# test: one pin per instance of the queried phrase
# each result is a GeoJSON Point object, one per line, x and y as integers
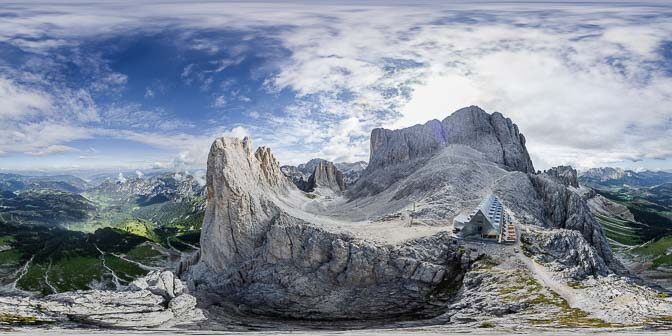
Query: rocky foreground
{"type": "Point", "coordinates": [157, 300]}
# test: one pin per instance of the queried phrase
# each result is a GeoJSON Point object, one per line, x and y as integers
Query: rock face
{"type": "Point", "coordinates": [600, 205]}
{"type": "Point", "coordinates": [492, 134]}
{"type": "Point", "coordinates": [415, 165]}
{"type": "Point", "coordinates": [327, 175]}
{"type": "Point", "coordinates": [158, 300]}
{"type": "Point", "coordinates": [270, 249]}
{"type": "Point", "coordinates": [616, 177]}
{"type": "Point", "coordinates": [566, 252]}
{"type": "Point", "coordinates": [337, 177]}
{"type": "Point", "coordinates": [566, 209]}
{"type": "Point", "coordinates": [565, 175]}
{"type": "Point", "coordinates": [298, 177]}
{"type": "Point", "coordinates": [263, 260]}
{"type": "Point", "coordinates": [240, 190]}
{"type": "Point", "coordinates": [351, 171]}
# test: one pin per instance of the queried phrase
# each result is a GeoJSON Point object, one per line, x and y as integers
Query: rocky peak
{"type": "Point", "coordinates": [604, 173]}
{"type": "Point", "coordinates": [497, 137]}
{"type": "Point", "coordinates": [301, 174]}
{"type": "Point", "coordinates": [351, 171]}
{"type": "Point", "coordinates": [309, 166]}
{"type": "Point", "coordinates": [564, 208]}
{"type": "Point", "coordinates": [564, 174]}
{"type": "Point", "coordinates": [327, 175]}
{"type": "Point", "coordinates": [256, 253]}
{"type": "Point", "coordinates": [240, 189]}
{"type": "Point", "coordinates": [269, 165]}
{"type": "Point", "coordinates": [174, 187]}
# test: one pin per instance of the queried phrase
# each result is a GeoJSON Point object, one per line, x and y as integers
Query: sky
{"type": "Point", "coordinates": [150, 84]}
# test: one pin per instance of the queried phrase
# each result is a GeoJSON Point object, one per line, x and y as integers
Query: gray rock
{"type": "Point", "coordinates": [565, 175]}
{"type": "Point", "coordinates": [317, 173]}
{"type": "Point", "coordinates": [241, 186]}
{"type": "Point", "coordinates": [265, 261]}
{"type": "Point", "coordinates": [336, 178]}
{"type": "Point", "coordinates": [492, 134]}
{"type": "Point", "coordinates": [603, 174]}
{"type": "Point", "coordinates": [566, 252]}
{"type": "Point", "coordinates": [351, 170]}
{"type": "Point", "coordinates": [298, 177]}
{"type": "Point", "coordinates": [268, 250]}
{"type": "Point", "coordinates": [600, 205]}
{"type": "Point", "coordinates": [146, 303]}
{"type": "Point", "coordinates": [566, 209]}
{"type": "Point", "coordinates": [328, 176]}
{"type": "Point", "coordinates": [164, 284]}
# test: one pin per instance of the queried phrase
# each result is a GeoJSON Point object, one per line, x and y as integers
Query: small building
{"type": "Point", "coordinates": [488, 221]}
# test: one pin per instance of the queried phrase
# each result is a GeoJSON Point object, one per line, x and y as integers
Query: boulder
{"type": "Point", "coordinates": [157, 300]}
{"type": "Point", "coordinates": [566, 252]}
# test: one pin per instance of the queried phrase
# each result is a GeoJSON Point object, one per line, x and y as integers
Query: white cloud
{"type": "Point", "coordinates": [52, 149]}
{"type": "Point", "coordinates": [149, 93]}
{"type": "Point", "coordinates": [18, 101]}
{"type": "Point", "coordinates": [220, 102]}
{"type": "Point", "coordinates": [581, 80]}
{"type": "Point", "coordinates": [237, 132]}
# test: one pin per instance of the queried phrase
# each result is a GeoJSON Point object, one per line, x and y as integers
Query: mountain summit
{"type": "Point", "coordinates": [389, 248]}
{"type": "Point", "coordinates": [493, 135]}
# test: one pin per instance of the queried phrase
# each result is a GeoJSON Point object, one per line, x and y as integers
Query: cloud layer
{"type": "Point", "coordinates": [588, 84]}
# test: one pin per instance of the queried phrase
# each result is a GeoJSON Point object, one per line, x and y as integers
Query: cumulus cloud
{"type": "Point", "coordinates": [586, 83]}
{"type": "Point", "coordinates": [18, 101]}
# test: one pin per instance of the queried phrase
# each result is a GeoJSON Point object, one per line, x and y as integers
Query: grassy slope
{"type": "Point", "coordinates": [70, 260]}
{"type": "Point", "coordinates": [658, 251]}
{"type": "Point", "coordinates": [654, 224]}
{"type": "Point", "coordinates": [620, 232]}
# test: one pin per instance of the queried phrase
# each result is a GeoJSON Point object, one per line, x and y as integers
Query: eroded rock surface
{"type": "Point", "coordinates": [566, 209]}
{"type": "Point", "coordinates": [270, 249]}
{"type": "Point", "coordinates": [326, 175]}
{"type": "Point", "coordinates": [322, 173]}
{"type": "Point", "coordinates": [158, 300]}
{"type": "Point", "coordinates": [564, 175]}
{"type": "Point", "coordinates": [266, 261]}
{"type": "Point", "coordinates": [566, 252]}
{"type": "Point", "coordinates": [491, 134]}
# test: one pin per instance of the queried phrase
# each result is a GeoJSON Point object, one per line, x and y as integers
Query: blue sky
{"type": "Point", "coordinates": [142, 84]}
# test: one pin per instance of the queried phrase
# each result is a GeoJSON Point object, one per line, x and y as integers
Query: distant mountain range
{"type": "Point", "coordinates": [67, 183]}
{"type": "Point", "coordinates": [337, 176]}
{"type": "Point", "coordinates": [115, 229]}
{"type": "Point", "coordinates": [635, 209]}
{"type": "Point", "coordinates": [607, 177]}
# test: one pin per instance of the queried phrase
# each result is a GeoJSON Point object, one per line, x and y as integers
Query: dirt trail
{"type": "Point", "coordinates": [545, 277]}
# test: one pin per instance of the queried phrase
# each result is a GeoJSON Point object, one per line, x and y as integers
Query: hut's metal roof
{"type": "Point", "coordinates": [492, 209]}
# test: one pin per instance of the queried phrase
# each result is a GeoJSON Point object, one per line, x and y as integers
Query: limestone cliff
{"type": "Point", "coordinates": [492, 134]}
{"type": "Point", "coordinates": [564, 208]}
{"type": "Point", "coordinates": [263, 259]}
{"type": "Point", "coordinates": [564, 174]}
{"type": "Point", "coordinates": [156, 300]}
{"type": "Point", "coordinates": [327, 175]}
